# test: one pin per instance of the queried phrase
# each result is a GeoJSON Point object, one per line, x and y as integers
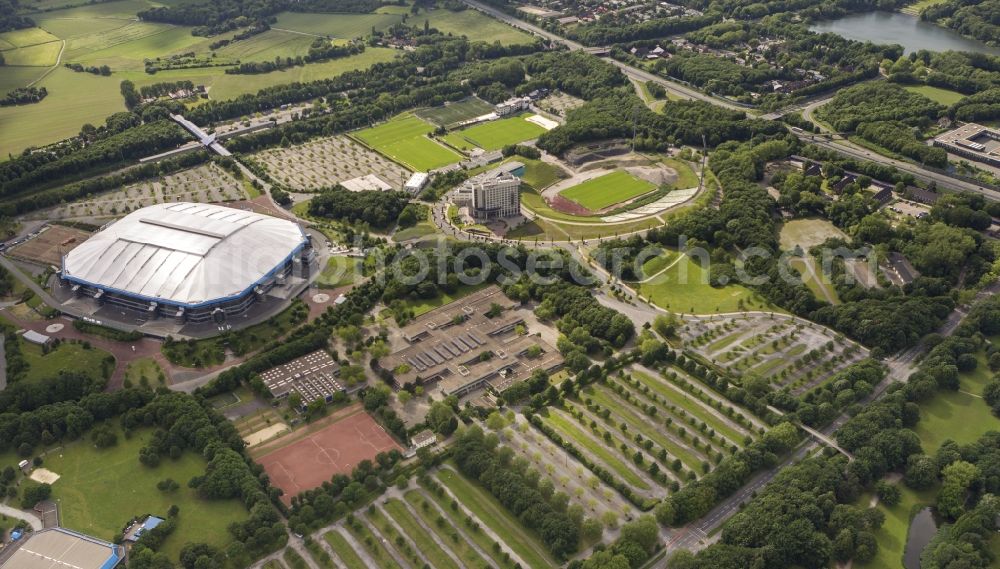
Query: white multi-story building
{"type": "Point", "coordinates": [512, 106]}
{"type": "Point", "coordinates": [492, 195]}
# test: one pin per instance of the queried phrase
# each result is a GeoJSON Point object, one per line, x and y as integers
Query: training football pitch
{"type": "Point", "coordinates": [456, 112]}
{"type": "Point", "coordinates": [607, 190]}
{"type": "Point", "coordinates": [494, 135]}
{"type": "Point", "coordinates": [404, 139]}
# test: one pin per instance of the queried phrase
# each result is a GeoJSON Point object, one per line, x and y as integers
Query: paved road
{"type": "Point", "coordinates": [33, 520]}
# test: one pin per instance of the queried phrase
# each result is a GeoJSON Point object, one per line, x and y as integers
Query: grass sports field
{"type": "Point", "coordinates": [607, 190]}
{"type": "Point", "coordinates": [404, 139]}
{"type": "Point", "coordinates": [101, 489]}
{"type": "Point", "coordinates": [452, 113]}
{"type": "Point", "coordinates": [494, 135]}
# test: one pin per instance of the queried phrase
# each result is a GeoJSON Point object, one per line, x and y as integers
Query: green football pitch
{"type": "Point", "coordinates": [606, 190]}
{"type": "Point", "coordinates": [494, 135]}
{"type": "Point", "coordinates": [404, 139]}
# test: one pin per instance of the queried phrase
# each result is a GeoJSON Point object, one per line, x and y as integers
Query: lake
{"type": "Point", "coordinates": [922, 530]}
{"type": "Point", "coordinates": [903, 29]}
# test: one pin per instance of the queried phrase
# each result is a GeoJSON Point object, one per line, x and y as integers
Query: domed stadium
{"type": "Point", "coordinates": [189, 261]}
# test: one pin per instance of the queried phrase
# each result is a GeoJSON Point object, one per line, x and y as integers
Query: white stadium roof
{"type": "Point", "coordinates": [184, 254]}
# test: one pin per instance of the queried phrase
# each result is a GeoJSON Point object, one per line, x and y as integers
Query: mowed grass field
{"type": "Point", "coordinates": [99, 490]}
{"type": "Point", "coordinates": [609, 189]}
{"type": "Point", "coordinates": [937, 94]}
{"type": "Point", "coordinates": [683, 288]}
{"type": "Point", "coordinates": [452, 113]}
{"type": "Point", "coordinates": [473, 24]}
{"type": "Point", "coordinates": [404, 139]}
{"type": "Point", "coordinates": [494, 135]}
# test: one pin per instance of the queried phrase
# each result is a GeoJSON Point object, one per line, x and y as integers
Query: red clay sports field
{"type": "Point", "coordinates": [309, 462]}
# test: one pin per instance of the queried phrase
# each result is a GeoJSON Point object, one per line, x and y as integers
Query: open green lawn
{"type": "Point", "coordinates": [494, 135]}
{"type": "Point", "coordinates": [686, 176]}
{"type": "Point", "coordinates": [658, 263]}
{"type": "Point", "coordinates": [455, 112]}
{"type": "Point", "coordinates": [494, 516]}
{"type": "Point", "coordinates": [892, 535]}
{"type": "Point", "coordinates": [943, 96]}
{"type": "Point", "coordinates": [609, 189]}
{"type": "Point", "coordinates": [681, 289]}
{"type": "Point", "coordinates": [100, 490]}
{"type": "Point", "coordinates": [66, 357]}
{"type": "Point", "coordinates": [404, 139]}
{"type": "Point", "coordinates": [144, 367]}
{"type": "Point", "coordinates": [543, 230]}
{"type": "Point", "coordinates": [962, 415]}
{"type": "Point", "coordinates": [813, 281]}
{"type": "Point", "coordinates": [807, 233]}
{"type": "Point", "coordinates": [339, 271]}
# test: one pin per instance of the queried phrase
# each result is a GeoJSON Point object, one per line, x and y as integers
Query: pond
{"type": "Point", "coordinates": [922, 530]}
{"type": "Point", "coordinates": [903, 29]}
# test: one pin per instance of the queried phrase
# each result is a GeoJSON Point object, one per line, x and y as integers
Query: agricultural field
{"type": "Point", "coordinates": [100, 489]}
{"type": "Point", "coordinates": [404, 139]}
{"type": "Point", "coordinates": [344, 26]}
{"type": "Point", "coordinates": [206, 183]}
{"type": "Point", "coordinates": [494, 135]}
{"type": "Point", "coordinates": [650, 433]}
{"type": "Point", "coordinates": [108, 34]}
{"type": "Point", "coordinates": [684, 288]}
{"type": "Point", "coordinates": [452, 113]}
{"type": "Point", "coordinates": [607, 190]}
{"type": "Point", "coordinates": [328, 161]}
{"type": "Point", "coordinates": [791, 353]}
{"type": "Point", "coordinates": [474, 24]}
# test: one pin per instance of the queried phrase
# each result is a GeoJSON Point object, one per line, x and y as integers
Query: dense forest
{"type": "Point", "coordinates": [9, 17]}
{"type": "Point", "coordinates": [973, 18]}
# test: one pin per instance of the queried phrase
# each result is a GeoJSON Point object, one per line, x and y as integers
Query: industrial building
{"type": "Point", "coordinates": [59, 548]}
{"type": "Point", "coordinates": [313, 377]}
{"type": "Point", "coordinates": [972, 141]}
{"type": "Point", "coordinates": [187, 261]}
{"type": "Point", "coordinates": [492, 195]}
{"type": "Point", "coordinates": [468, 345]}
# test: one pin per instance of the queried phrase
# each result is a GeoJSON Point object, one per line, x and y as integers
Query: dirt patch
{"type": "Point", "coordinates": [44, 476]}
{"type": "Point", "coordinates": [257, 437]}
{"type": "Point", "coordinates": [48, 247]}
{"type": "Point", "coordinates": [564, 205]}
